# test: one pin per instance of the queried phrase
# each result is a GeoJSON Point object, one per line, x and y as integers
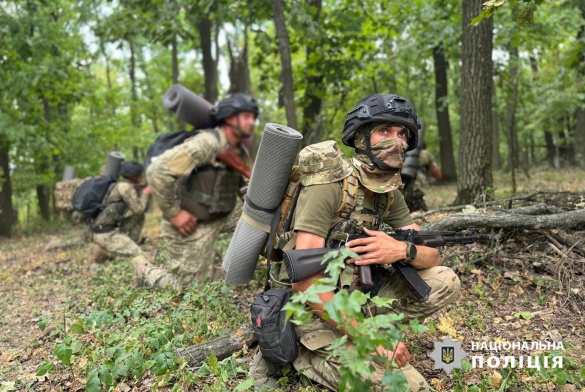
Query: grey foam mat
{"type": "Point", "coordinates": [242, 254]}
{"type": "Point", "coordinates": [276, 155]}
{"type": "Point", "coordinates": [188, 106]}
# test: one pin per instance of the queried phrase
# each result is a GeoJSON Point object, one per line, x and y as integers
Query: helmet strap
{"type": "Point", "coordinates": [368, 152]}
{"type": "Point", "coordinates": [240, 131]}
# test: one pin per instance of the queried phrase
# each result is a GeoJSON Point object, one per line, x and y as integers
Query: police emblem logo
{"type": "Point", "coordinates": [447, 355]}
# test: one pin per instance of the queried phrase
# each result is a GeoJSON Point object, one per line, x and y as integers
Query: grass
{"type": "Point", "coordinates": [66, 324]}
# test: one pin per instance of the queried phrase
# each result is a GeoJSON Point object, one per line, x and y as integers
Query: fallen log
{"type": "Point", "coordinates": [502, 220]}
{"type": "Point", "coordinates": [222, 346]}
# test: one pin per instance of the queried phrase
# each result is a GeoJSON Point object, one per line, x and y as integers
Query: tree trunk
{"type": "Point", "coordinates": [579, 138]}
{"type": "Point", "coordinates": [285, 58]}
{"type": "Point", "coordinates": [550, 147]}
{"type": "Point", "coordinates": [315, 90]}
{"type": "Point", "coordinates": [44, 197]}
{"type": "Point", "coordinates": [7, 215]}
{"type": "Point", "coordinates": [134, 116]}
{"type": "Point", "coordinates": [475, 149]}
{"type": "Point", "coordinates": [174, 59]}
{"type": "Point", "coordinates": [496, 162]}
{"type": "Point", "coordinates": [513, 146]}
{"type": "Point", "coordinates": [42, 167]}
{"type": "Point", "coordinates": [152, 114]}
{"type": "Point", "coordinates": [209, 63]}
{"type": "Point", "coordinates": [442, 108]}
{"type": "Point", "coordinates": [239, 70]}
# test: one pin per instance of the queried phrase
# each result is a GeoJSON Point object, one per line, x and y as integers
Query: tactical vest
{"type": "Point", "coordinates": [111, 216]}
{"type": "Point", "coordinates": [210, 191]}
{"type": "Point", "coordinates": [349, 219]}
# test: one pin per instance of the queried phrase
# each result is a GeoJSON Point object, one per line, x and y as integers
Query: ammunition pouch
{"type": "Point", "coordinates": [210, 192]}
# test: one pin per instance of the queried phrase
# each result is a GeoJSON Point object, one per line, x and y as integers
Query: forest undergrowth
{"type": "Point", "coordinates": [67, 324]}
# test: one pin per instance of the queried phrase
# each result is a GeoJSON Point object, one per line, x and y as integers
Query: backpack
{"type": "Point", "coordinates": [90, 195]}
{"type": "Point", "coordinates": [165, 142]}
{"type": "Point", "coordinates": [64, 191]}
{"type": "Point", "coordinates": [276, 335]}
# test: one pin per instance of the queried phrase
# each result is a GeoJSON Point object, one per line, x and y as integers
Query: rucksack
{"type": "Point", "coordinates": [90, 195]}
{"type": "Point", "coordinates": [165, 142]}
{"type": "Point", "coordinates": [276, 335]}
{"type": "Point", "coordinates": [64, 191]}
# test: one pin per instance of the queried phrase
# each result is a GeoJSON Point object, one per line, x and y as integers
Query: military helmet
{"type": "Point", "coordinates": [234, 103]}
{"type": "Point", "coordinates": [382, 108]}
{"type": "Point", "coordinates": [131, 169]}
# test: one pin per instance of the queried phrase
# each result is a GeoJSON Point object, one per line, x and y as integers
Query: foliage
{"type": "Point", "coordinates": [79, 79]}
{"type": "Point", "coordinates": [370, 332]}
{"type": "Point", "coordinates": [123, 333]}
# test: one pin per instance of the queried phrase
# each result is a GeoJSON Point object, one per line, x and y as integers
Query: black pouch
{"type": "Point", "coordinates": [276, 337]}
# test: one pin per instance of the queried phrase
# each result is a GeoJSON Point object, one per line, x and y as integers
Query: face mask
{"type": "Point", "coordinates": [389, 151]}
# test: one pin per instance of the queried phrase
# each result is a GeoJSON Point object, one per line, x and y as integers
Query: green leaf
{"type": "Point", "coordinates": [45, 368]}
{"type": "Point", "coordinates": [42, 325]}
{"type": "Point", "coordinates": [244, 385]}
{"type": "Point", "coordinates": [106, 376]}
{"type": "Point", "coordinates": [524, 315]}
{"type": "Point", "coordinates": [93, 383]}
{"type": "Point", "coordinates": [63, 352]}
{"type": "Point", "coordinates": [77, 327]}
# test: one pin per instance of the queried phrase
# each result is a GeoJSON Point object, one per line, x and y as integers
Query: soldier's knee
{"type": "Point", "coordinates": [450, 282]}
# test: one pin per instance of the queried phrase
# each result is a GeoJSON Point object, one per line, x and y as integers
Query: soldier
{"type": "Point", "coordinates": [197, 193]}
{"type": "Point", "coordinates": [115, 234]}
{"type": "Point", "coordinates": [381, 128]}
{"type": "Point", "coordinates": [413, 188]}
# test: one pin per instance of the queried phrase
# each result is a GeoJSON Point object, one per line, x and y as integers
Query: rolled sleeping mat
{"type": "Point", "coordinates": [114, 160]}
{"type": "Point", "coordinates": [242, 253]}
{"type": "Point", "coordinates": [189, 107]}
{"type": "Point", "coordinates": [276, 155]}
{"type": "Point", "coordinates": [68, 173]}
{"type": "Point", "coordinates": [275, 158]}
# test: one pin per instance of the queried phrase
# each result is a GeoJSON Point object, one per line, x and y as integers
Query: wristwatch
{"type": "Point", "coordinates": [411, 252]}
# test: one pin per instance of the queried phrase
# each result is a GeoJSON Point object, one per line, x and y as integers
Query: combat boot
{"type": "Point", "coordinates": [263, 372]}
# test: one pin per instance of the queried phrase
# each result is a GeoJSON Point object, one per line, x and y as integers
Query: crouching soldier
{"type": "Point", "coordinates": [381, 128]}
{"type": "Point", "coordinates": [117, 228]}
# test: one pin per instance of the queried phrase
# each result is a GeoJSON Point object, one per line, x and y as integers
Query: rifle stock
{"type": "Point", "coordinates": [231, 158]}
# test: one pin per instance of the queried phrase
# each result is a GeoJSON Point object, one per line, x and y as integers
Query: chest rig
{"type": "Point", "coordinates": [210, 191]}
{"type": "Point", "coordinates": [350, 218]}
{"type": "Point", "coordinates": [111, 216]}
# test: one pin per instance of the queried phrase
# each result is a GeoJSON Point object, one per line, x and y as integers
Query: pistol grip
{"type": "Point", "coordinates": [366, 276]}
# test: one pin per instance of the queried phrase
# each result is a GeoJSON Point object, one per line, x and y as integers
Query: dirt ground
{"type": "Point", "coordinates": [520, 289]}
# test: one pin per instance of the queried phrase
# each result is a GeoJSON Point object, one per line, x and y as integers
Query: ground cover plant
{"type": "Point", "coordinates": [66, 324]}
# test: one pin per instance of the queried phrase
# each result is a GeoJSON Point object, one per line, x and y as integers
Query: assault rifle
{"type": "Point", "coordinates": [300, 264]}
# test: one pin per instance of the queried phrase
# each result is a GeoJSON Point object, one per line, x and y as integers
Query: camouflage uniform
{"type": "Point", "coordinates": [189, 258]}
{"type": "Point", "coordinates": [114, 230]}
{"type": "Point", "coordinates": [413, 190]}
{"type": "Point", "coordinates": [317, 335]}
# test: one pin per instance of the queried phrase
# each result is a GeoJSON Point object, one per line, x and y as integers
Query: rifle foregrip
{"type": "Point", "coordinates": [431, 242]}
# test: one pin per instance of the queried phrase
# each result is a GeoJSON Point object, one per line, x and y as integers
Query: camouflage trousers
{"type": "Point", "coordinates": [317, 335]}
{"type": "Point", "coordinates": [122, 242]}
{"type": "Point", "coordinates": [190, 258]}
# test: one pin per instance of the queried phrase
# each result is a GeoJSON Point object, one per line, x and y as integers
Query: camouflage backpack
{"type": "Point", "coordinates": [64, 191]}
{"type": "Point", "coordinates": [320, 163]}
